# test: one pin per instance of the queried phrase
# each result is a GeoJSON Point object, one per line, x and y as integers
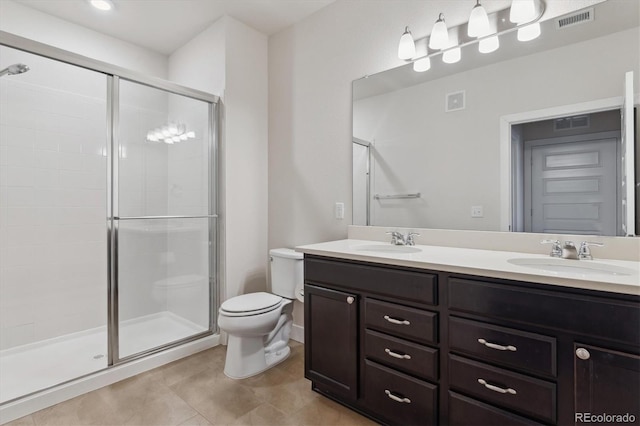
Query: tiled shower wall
{"type": "Point", "coordinates": [52, 201]}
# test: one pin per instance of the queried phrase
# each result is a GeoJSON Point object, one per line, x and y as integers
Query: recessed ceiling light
{"type": "Point", "coordinates": [102, 4]}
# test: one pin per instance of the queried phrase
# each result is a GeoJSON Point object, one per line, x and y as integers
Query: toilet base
{"type": "Point", "coordinates": [253, 360]}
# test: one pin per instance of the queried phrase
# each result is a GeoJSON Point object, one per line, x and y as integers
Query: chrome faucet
{"type": "Point", "coordinates": [556, 249]}
{"type": "Point", "coordinates": [568, 250]}
{"type": "Point", "coordinates": [398, 239]}
{"type": "Point", "coordinates": [584, 253]}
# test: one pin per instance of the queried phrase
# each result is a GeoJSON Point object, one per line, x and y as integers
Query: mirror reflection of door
{"type": "Point", "coordinates": [572, 187]}
{"type": "Point", "coordinates": [571, 175]}
{"type": "Point", "coordinates": [361, 186]}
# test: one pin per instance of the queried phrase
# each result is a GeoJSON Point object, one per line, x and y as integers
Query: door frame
{"type": "Point", "coordinates": [506, 121]}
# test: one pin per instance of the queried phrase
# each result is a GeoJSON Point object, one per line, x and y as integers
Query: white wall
{"type": "Point", "coordinates": [35, 25]}
{"type": "Point", "coordinates": [453, 158]}
{"type": "Point", "coordinates": [230, 59]}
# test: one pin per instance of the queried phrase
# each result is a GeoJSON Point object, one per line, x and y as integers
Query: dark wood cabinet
{"type": "Point", "coordinates": [606, 382]}
{"type": "Point", "coordinates": [422, 347]}
{"type": "Point", "coordinates": [331, 336]}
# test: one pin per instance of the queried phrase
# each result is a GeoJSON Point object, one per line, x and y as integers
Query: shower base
{"type": "Point", "coordinates": [40, 365]}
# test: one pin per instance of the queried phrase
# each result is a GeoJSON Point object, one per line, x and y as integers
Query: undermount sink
{"type": "Point", "coordinates": [567, 266]}
{"type": "Point", "coordinates": [388, 248]}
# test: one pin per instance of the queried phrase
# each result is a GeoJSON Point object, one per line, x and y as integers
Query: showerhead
{"type": "Point", "coordinates": [14, 69]}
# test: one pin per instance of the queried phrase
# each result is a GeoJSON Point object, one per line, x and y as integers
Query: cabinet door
{"type": "Point", "coordinates": [606, 383]}
{"type": "Point", "coordinates": [331, 339]}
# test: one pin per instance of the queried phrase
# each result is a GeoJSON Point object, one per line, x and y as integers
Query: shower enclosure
{"type": "Point", "coordinates": [108, 226]}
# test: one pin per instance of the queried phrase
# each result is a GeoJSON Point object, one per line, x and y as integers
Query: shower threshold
{"type": "Point", "coordinates": [29, 368]}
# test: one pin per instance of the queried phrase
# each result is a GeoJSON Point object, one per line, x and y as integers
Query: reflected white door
{"type": "Point", "coordinates": [573, 187]}
{"type": "Point", "coordinates": [360, 184]}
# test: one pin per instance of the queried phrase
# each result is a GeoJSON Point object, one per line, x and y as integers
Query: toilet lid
{"type": "Point", "coordinates": [251, 302]}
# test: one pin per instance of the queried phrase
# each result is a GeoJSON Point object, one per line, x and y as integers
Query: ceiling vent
{"type": "Point", "coordinates": [577, 18]}
{"type": "Point", "coordinates": [570, 123]}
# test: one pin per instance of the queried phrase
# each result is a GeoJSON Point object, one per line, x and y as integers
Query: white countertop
{"type": "Point", "coordinates": [486, 263]}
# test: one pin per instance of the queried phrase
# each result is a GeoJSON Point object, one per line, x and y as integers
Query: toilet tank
{"type": "Point", "coordinates": [286, 272]}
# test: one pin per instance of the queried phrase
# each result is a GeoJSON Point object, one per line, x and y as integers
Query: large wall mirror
{"type": "Point", "coordinates": [528, 138]}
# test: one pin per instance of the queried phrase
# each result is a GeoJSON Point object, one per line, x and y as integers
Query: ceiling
{"type": "Point", "coordinates": [165, 25]}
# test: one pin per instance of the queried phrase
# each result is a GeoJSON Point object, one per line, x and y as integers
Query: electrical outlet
{"type": "Point", "coordinates": [476, 211]}
{"type": "Point", "coordinates": [339, 210]}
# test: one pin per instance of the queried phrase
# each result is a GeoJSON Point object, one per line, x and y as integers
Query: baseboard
{"type": "Point", "coordinates": [297, 333]}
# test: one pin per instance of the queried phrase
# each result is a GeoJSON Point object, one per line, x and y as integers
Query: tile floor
{"type": "Point", "coordinates": [194, 391]}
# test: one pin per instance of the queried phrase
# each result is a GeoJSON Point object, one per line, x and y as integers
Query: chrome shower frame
{"type": "Point", "coordinates": [114, 75]}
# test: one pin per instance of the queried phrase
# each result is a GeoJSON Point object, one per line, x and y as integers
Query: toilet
{"type": "Point", "coordinates": [259, 324]}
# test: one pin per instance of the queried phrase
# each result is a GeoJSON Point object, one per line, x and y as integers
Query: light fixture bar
{"type": "Point", "coordinates": [540, 7]}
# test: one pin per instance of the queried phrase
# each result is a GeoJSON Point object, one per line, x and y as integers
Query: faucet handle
{"type": "Point", "coordinates": [584, 253]}
{"type": "Point", "coordinates": [409, 238]}
{"type": "Point", "coordinates": [556, 250]}
{"type": "Point", "coordinates": [396, 237]}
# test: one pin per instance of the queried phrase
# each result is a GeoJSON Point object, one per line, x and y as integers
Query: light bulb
{"type": "Point", "coordinates": [173, 129]}
{"type": "Point", "coordinates": [104, 5]}
{"type": "Point", "coordinates": [169, 141]}
{"type": "Point", "coordinates": [422, 65]}
{"type": "Point", "coordinates": [452, 56]}
{"type": "Point", "coordinates": [407, 47]}
{"type": "Point", "coordinates": [183, 137]}
{"type": "Point", "coordinates": [439, 38]}
{"type": "Point", "coordinates": [522, 11]}
{"type": "Point", "coordinates": [191, 134]}
{"type": "Point", "coordinates": [489, 44]}
{"type": "Point", "coordinates": [529, 32]}
{"type": "Point", "coordinates": [478, 22]}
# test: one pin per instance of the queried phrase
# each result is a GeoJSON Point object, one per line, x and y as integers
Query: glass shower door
{"type": "Point", "coordinates": [163, 218]}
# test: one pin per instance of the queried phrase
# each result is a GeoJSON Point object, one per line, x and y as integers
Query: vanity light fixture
{"type": "Point", "coordinates": [104, 5]}
{"type": "Point", "coordinates": [482, 28]}
{"type": "Point", "coordinates": [422, 65]}
{"type": "Point", "coordinates": [407, 47]}
{"type": "Point", "coordinates": [478, 22]}
{"type": "Point", "coordinates": [439, 34]}
{"type": "Point", "coordinates": [489, 44]}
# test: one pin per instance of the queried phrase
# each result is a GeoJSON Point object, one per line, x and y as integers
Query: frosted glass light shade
{"type": "Point", "coordinates": [452, 56]}
{"type": "Point", "coordinates": [489, 44]}
{"type": "Point", "coordinates": [439, 38]}
{"type": "Point", "coordinates": [104, 5]}
{"type": "Point", "coordinates": [522, 11]}
{"type": "Point", "coordinates": [422, 65]}
{"type": "Point", "coordinates": [529, 32]}
{"type": "Point", "coordinates": [406, 47]}
{"type": "Point", "coordinates": [478, 22]}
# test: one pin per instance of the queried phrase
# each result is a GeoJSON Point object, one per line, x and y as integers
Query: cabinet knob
{"type": "Point", "coordinates": [350, 299]}
{"type": "Point", "coordinates": [582, 353]}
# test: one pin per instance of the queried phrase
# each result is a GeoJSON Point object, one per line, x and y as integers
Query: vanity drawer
{"type": "Point", "coordinates": [506, 346]}
{"type": "Point", "coordinates": [597, 316]}
{"type": "Point", "coordinates": [402, 284]}
{"type": "Point", "coordinates": [401, 354]}
{"type": "Point", "coordinates": [401, 321]}
{"type": "Point", "coordinates": [398, 398]}
{"type": "Point", "coordinates": [530, 396]}
{"type": "Point", "coordinates": [465, 411]}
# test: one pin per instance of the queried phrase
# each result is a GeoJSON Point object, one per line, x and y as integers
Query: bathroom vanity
{"type": "Point", "coordinates": [414, 338]}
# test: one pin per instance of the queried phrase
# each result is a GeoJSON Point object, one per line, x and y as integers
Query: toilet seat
{"type": "Point", "coordinates": [250, 304]}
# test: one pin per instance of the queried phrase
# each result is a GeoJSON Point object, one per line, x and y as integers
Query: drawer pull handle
{"type": "Point", "coordinates": [396, 354]}
{"type": "Point", "coordinates": [496, 346]}
{"type": "Point", "coordinates": [496, 388]}
{"type": "Point", "coordinates": [396, 321]}
{"type": "Point", "coordinates": [397, 398]}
